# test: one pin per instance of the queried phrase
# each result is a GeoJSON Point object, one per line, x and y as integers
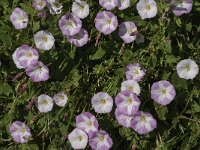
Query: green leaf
{"type": "Point", "coordinates": [162, 112]}
{"type": "Point", "coordinates": [5, 38]}
{"type": "Point", "coordinates": [189, 26]}
{"type": "Point", "coordinates": [178, 82]}
{"type": "Point", "coordinates": [5, 88]}
{"type": "Point", "coordinates": [178, 22]}
{"type": "Point", "coordinates": [98, 55]}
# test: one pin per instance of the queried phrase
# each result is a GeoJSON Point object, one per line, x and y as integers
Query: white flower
{"type": "Point", "coordinates": [44, 40]}
{"type": "Point", "coordinates": [87, 122]}
{"type": "Point", "coordinates": [102, 102]}
{"type": "Point", "coordinates": [52, 1]}
{"type": "Point", "coordinates": [60, 99]}
{"type": "Point", "coordinates": [130, 85]}
{"type": "Point", "coordinates": [187, 69]}
{"type": "Point", "coordinates": [147, 8]}
{"type": "Point", "coordinates": [80, 9]}
{"type": "Point", "coordinates": [78, 139]}
{"type": "Point", "coordinates": [16, 61]}
{"type": "Point", "coordinates": [54, 7]}
{"type": "Point", "coordinates": [39, 4]}
{"type": "Point", "coordinates": [123, 4]}
{"type": "Point", "coordinates": [44, 103]}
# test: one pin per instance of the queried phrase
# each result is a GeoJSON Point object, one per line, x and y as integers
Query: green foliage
{"type": "Point", "coordinates": [81, 72]}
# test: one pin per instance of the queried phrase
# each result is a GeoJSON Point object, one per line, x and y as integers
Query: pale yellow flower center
{"type": "Point", "coordinates": [45, 102]}
{"type": "Point", "coordinates": [23, 130]}
{"type": "Point", "coordinates": [45, 39]}
{"type": "Point", "coordinates": [101, 138]}
{"type": "Point", "coordinates": [22, 18]}
{"type": "Point", "coordinates": [69, 24]}
{"type": "Point", "coordinates": [81, 7]}
{"type": "Point", "coordinates": [187, 67]}
{"type": "Point", "coordinates": [80, 138]}
{"type": "Point", "coordinates": [148, 7]}
{"type": "Point", "coordinates": [130, 100]}
{"type": "Point", "coordinates": [143, 118]}
{"type": "Point", "coordinates": [29, 54]}
{"type": "Point", "coordinates": [40, 4]}
{"type": "Point", "coordinates": [90, 123]}
{"type": "Point", "coordinates": [103, 101]}
{"type": "Point", "coordinates": [136, 71]}
{"type": "Point", "coordinates": [163, 91]}
{"type": "Point", "coordinates": [130, 31]}
{"type": "Point", "coordinates": [130, 88]}
{"type": "Point", "coordinates": [62, 97]}
{"type": "Point", "coordinates": [109, 21]}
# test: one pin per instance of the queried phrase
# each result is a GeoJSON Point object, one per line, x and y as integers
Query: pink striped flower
{"type": "Point", "coordinates": [134, 72]}
{"type": "Point", "coordinates": [39, 4]}
{"type": "Point", "coordinates": [87, 122]}
{"type": "Point", "coordinates": [38, 72]}
{"type": "Point", "coordinates": [127, 102]}
{"type": "Point", "coordinates": [123, 119]}
{"type": "Point", "coordinates": [123, 4]}
{"type": "Point", "coordinates": [143, 122]}
{"type": "Point", "coordinates": [70, 24]}
{"type": "Point", "coordinates": [78, 139]}
{"type": "Point", "coordinates": [102, 102]}
{"type": "Point", "coordinates": [20, 132]}
{"type": "Point", "coordinates": [100, 140]}
{"type": "Point", "coordinates": [108, 4]}
{"type": "Point", "coordinates": [127, 31]}
{"type": "Point", "coordinates": [79, 39]}
{"type": "Point", "coordinates": [147, 8]}
{"type": "Point", "coordinates": [106, 22]}
{"type": "Point", "coordinates": [163, 92]}
{"type": "Point", "coordinates": [19, 18]}
{"type": "Point", "coordinates": [180, 7]}
{"type": "Point", "coordinates": [25, 56]}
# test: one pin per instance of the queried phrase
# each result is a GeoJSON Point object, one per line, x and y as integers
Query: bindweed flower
{"type": "Point", "coordinates": [60, 99]}
{"type": "Point", "coordinates": [123, 4]}
{"type": "Point", "coordinates": [20, 132]}
{"type": "Point", "coordinates": [79, 39]}
{"type": "Point", "coordinates": [127, 102]}
{"type": "Point", "coordinates": [42, 14]}
{"type": "Point", "coordinates": [147, 8]}
{"type": "Point", "coordinates": [78, 139]}
{"type": "Point", "coordinates": [38, 72]}
{"type": "Point", "coordinates": [143, 122]}
{"type": "Point", "coordinates": [127, 31]}
{"type": "Point", "coordinates": [52, 1]}
{"type": "Point", "coordinates": [108, 4]}
{"type": "Point", "coordinates": [139, 38]}
{"type": "Point", "coordinates": [39, 4]}
{"type": "Point", "coordinates": [102, 102]}
{"type": "Point", "coordinates": [44, 103]}
{"type": "Point", "coordinates": [54, 6]}
{"type": "Point", "coordinates": [106, 22]}
{"type": "Point", "coordinates": [44, 40]}
{"type": "Point", "coordinates": [87, 122]}
{"type": "Point", "coordinates": [187, 69]}
{"type": "Point", "coordinates": [163, 92]}
{"type": "Point", "coordinates": [25, 56]}
{"type": "Point", "coordinates": [70, 24]}
{"type": "Point", "coordinates": [100, 140]}
{"type": "Point", "coordinates": [19, 18]}
{"type": "Point", "coordinates": [134, 72]}
{"type": "Point", "coordinates": [123, 119]}
{"type": "Point", "coordinates": [131, 85]}
{"type": "Point", "coordinates": [80, 9]}
{"type": "Point", "coordinates": [180, 7]}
